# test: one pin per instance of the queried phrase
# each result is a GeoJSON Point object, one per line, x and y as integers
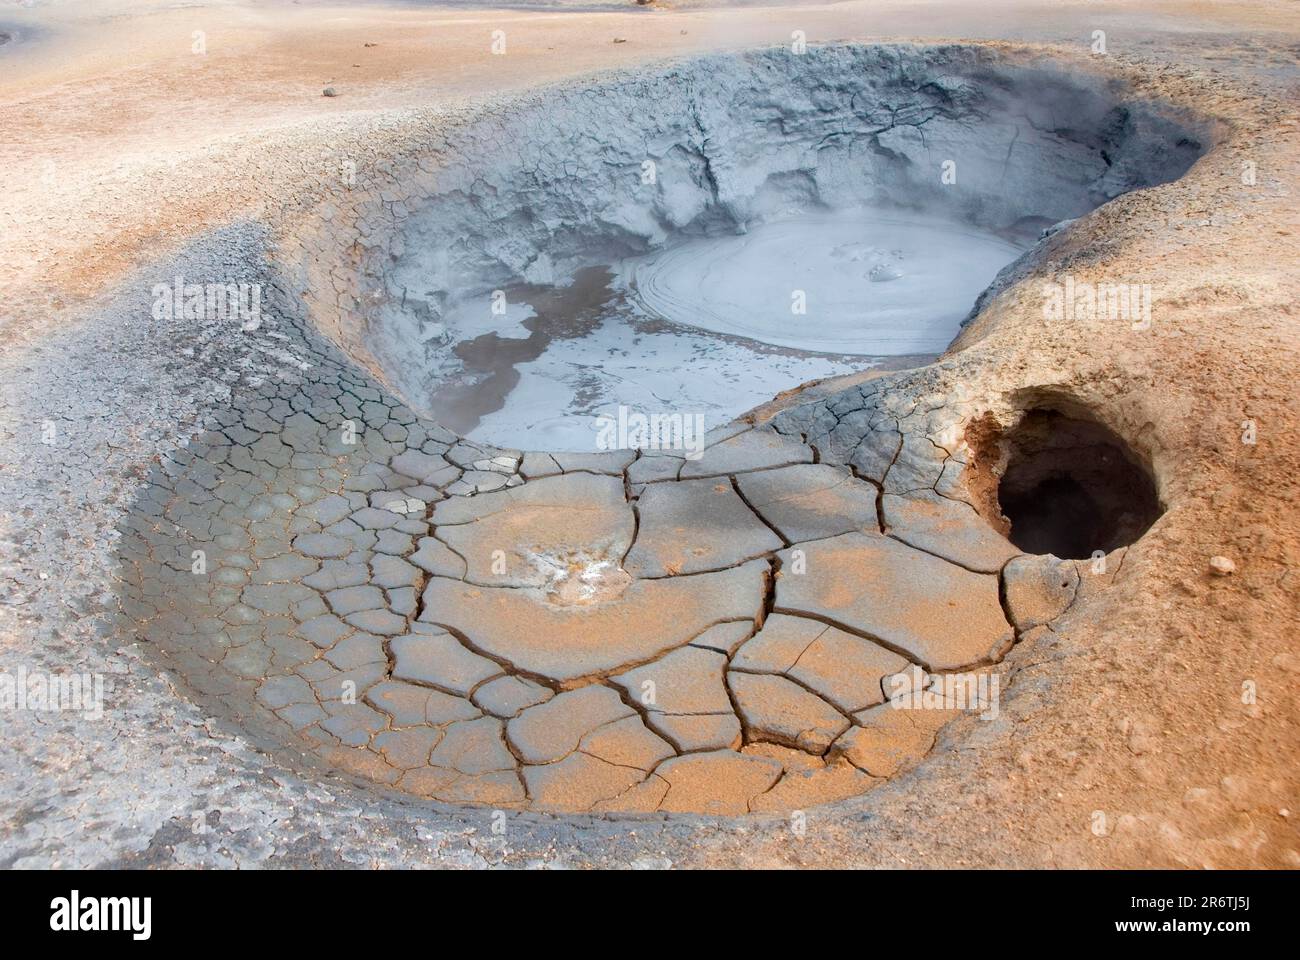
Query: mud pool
{"type": "Point", "coordinates": [712, 326]}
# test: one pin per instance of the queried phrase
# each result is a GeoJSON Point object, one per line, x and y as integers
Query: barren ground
{"type": "Point", "coordinates": [125, 148]}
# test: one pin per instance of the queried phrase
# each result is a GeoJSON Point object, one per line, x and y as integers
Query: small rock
{"type": "Point", "coordinates": [330, 92]}
{"type": "Point", "coordinates": [1222, 566]}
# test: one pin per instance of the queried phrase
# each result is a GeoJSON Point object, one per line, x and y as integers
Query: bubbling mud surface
{"type": "Point", "coordinates": [714, 325]}
{"type": "Point", "coordinates": [867, 282]}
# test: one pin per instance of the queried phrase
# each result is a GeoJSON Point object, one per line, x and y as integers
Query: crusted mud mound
{"type": "Point", "coordinates": [360, 590]}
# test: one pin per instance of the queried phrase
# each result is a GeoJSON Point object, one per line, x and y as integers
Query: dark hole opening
{"type": "Point", "coordinates": [1071, 487]}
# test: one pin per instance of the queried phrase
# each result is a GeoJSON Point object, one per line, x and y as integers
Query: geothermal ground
{"type": "Point", "coordinates": [338, 346]}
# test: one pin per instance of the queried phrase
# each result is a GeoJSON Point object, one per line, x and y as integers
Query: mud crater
{"type": "Point", "coordinates": [706, 236]}
{"type": "Point", "coordinates": [736, 654]}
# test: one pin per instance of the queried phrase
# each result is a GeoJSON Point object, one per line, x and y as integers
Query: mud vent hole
{"type": "Point", "coordinates": [1072, 487]}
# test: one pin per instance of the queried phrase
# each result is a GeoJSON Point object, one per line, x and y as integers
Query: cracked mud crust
{"type": "Point", "coordinates": [319, 570]}
{"type": "Point", "coordinates": [372, 563]}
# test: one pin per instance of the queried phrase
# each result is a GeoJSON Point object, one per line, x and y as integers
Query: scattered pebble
{"type": "Point", "coordinates": [1222, 566]}
{"type": "Point", "coordinates": [330, 92]}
